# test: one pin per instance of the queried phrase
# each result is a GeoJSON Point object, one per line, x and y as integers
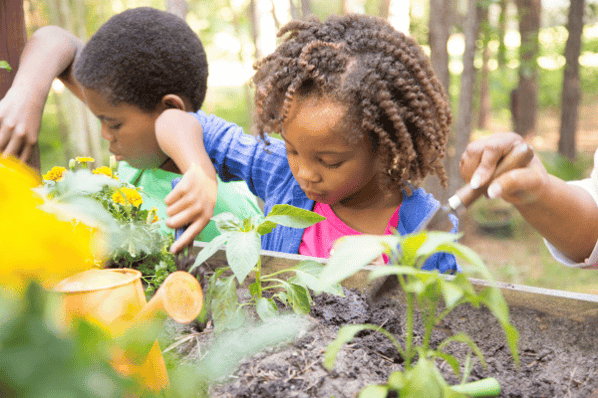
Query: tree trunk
{"type": "Point", "coordinates": [177, 7]}
{"type": "Point", "coordinates": [306, 9]}
{"type": "Point", "coordinates": [571, 94]}
{"type": "Point", "coordinates": [502, 32]}
{"type": "Point", "coordinates": [13, 35]}
{"type": "Point", "coordinates": [439, 31]}
{"type": "Point", "coordinates": [468, 77]}
{"type": "Point", "coordinates": [384, 10]}
{"type": "Point", "coordinates": [484, 111]}
{"type": "Point", "coordinates": [524, 98]}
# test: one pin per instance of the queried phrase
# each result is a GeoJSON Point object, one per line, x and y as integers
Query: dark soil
{"type": "Point", "coordinates": [558, 356]}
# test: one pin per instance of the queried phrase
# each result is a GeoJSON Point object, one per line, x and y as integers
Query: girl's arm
{"type": "Point", "coordinates": [565, 214]}
{"type": "Point", "coordinates": [48, 54]}
{"type": "Point", "coordinates": [191, 203]}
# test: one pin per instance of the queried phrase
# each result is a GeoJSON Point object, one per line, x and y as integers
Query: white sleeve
{"type": "Point", "coordinates": [590, 185]}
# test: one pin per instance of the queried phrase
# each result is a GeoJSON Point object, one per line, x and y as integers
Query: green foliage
{"type": "Point", "coordinates": [5, 65]}
{"type": "Point", "coordinates": [426, 289]}
{"type": "Point", "coordinates": [243, 245]}
{"type": "Point", "coordinates": [30, 339]}
{"type": "Point", "coordinates": [101, 200]}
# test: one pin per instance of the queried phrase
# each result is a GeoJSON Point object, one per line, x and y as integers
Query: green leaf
{"type": "Point", "coordinates": [345, 335]}
{"type": "Point", "coordinates": [265, 227]}
{"type": "Point", "coordinates": [410, 246]}
{"type": "Point", "coordinates": [227, 222]}
{"type": "Point", "coordinates": [494, 300]}
{"type": "Point", "coordinates": [243, 252]}
{"type": "Point", "coordinates": [451, 360]}
{"type": "Point", "coordinates": [374, 391]}
{"type": "Point", "coordinates": [266, 308]}
{"type": "Point", "coordinates": [299, 298]}
{"type": "Point", "coordinates": [451, 292]}
{"type": "Point", "coordinates": [351, 255]}
{"type": "Point", "coordinates": [423, 380]}
{"type": "Point", "coordinates": [225, 304]}
{"type": "Point", "coordinates": [210, 249]}
{"type": "Point", "coordinates": [307, 274]}
{"type": "Point", "coordinates": [5, 65]}
{"type": "Point", "coordinates": [396, 380]}
{"type": "Point", "coordinates": [254, 288]}
{"type": "Point", "coordinates": [294, 217]}
{"type": "Point", "coordinates": [463, 338]}
{"type": "Point", "coordinates": [434, 240]}
{"type": "Point", "coordinates": [379, 272]}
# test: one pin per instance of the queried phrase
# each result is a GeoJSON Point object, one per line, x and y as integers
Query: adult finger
{"type": "Point", "coordinates": [516, 186]}
{"type": "Point", "coordinates": [14, 146]}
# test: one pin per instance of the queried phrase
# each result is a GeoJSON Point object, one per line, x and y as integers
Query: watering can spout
{"type": "Point", "coordinates": [114, 298]}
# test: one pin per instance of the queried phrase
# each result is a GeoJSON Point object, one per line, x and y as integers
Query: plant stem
{"type": "Point", "coordinates": [409, 336]}
{"type": "Point", "coordinates": [258, 277]}
{"type": "Point", "coordinates": [429, 321]}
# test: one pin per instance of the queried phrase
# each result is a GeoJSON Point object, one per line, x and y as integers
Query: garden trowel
{"type": "Point", "coordinates": [518, 157]}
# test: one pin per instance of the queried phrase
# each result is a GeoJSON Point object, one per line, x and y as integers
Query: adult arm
{"type": "Point", "coordinates": [566, 215]}
{"type": "Point", "coordinates": [48, 54]}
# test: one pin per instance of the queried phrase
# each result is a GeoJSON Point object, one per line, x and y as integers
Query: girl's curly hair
{"type": "Point", "coordinates": [381, 75]}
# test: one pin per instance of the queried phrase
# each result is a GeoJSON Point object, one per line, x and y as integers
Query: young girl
{"type": "Point", "coordinates": [363, 119]}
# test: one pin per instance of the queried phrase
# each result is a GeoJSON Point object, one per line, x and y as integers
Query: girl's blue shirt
{"type": "Point", "coordinates": [265, 169]}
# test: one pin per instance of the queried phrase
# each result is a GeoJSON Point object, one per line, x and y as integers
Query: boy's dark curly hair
{"type": "Point", "coordinates": [381, 75]}
{"type": "Point", "coordinates": [142, 54]}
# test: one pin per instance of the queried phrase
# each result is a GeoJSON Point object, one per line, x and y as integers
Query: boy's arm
{"type": "Point", "coordinates": [565, 214]}
{"type": "Point", "coordinates": [48, 54]}
{"type": "Point", "coordinates": [191, 203]}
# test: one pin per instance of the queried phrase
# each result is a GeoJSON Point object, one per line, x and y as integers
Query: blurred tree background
{"type": "Point", "coordinates": [529, 66]}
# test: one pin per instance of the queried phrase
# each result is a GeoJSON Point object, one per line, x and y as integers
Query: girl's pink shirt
{"type": "Point", "coordinates": [318, 239]}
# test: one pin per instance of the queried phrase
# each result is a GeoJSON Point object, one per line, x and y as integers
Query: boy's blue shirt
{"type": "Point", "coordinates": [265, 169]}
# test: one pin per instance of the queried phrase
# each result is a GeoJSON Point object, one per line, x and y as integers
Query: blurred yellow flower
{"type": "Point", "coordinates": [103, 170]}
{"type": "Point", "coordinates": [130, 196]}
{"type": "Point", "coordinates": [55, 174]}
{"type": "Point", "coordinates": [152, 216]}
{"type": "Point", "coordinates": [84, 159]}
{"type": "Point", "coordinates": [35, 244]}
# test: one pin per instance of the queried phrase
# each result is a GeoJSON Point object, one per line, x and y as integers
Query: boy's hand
{"type": "Point", "coordinates": [191, 203]}
{"type": "Point", "coordinates": [20, 121]}
{"type": "Point", "coordinates": [519, 186]}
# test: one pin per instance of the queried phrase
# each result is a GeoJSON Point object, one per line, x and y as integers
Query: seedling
{"type": "Point", "coordinates": [243, 245]}
{"type": "Point", "coordinates": [426, 289]}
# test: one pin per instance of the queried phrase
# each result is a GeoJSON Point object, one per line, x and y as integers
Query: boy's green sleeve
{"type": "Point", "coordinates": [233, 197]}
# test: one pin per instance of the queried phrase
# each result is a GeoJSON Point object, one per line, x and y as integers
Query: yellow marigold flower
{"type": "Point", "coordinates": [152, 216]}
{"type": "Point", "coordinates": [35, 244]}
{"type": "Point", "coordinates": [84, 159]}
{"type": "Point", "coordinates": [56, 173]}
{"type": "Point", "coordinates": [103, 170]}
{"type": "Point", "coordinates": [130, 196]}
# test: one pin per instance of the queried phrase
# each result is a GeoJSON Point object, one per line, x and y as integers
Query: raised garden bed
{"type": "Point", "coordinates": [558, 344]}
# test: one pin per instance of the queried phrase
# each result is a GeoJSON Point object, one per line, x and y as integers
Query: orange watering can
{"type": "Point", "coordinates": [115, 299]}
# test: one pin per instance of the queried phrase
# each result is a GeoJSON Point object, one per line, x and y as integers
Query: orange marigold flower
{"type": "Point", "coordinates": [55, 174]}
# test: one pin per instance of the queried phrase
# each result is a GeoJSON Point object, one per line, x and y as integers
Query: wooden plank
{"type": "Point", "coordinates": [577, 306]}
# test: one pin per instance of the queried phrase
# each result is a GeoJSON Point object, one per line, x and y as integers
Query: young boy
{"type": "Point", "coordinates": [138, 64]}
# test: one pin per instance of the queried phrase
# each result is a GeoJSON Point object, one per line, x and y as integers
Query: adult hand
{"type": "Point", "coordinates": [191, 203]}
{"type": "Point", "coordinates": [520, 186]}
{"type": "Point", "coordinates": [20, 121]}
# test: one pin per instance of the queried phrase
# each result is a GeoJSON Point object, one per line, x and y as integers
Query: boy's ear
{"type": "Point", "coordinates": [173, 101]}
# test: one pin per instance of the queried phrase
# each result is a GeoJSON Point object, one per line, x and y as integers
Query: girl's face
{"type": "Point", "coordinates": [129, 130]}
{"type": "Point", "coordinates": [328, 168]}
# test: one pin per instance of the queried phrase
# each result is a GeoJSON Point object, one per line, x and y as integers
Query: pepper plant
{"type": "Point", "coordinates": [243, 244]}
{"type": "Point", "coordinates": [424, 290]}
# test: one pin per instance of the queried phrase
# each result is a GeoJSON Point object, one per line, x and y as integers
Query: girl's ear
{"type": "Point", "coordinates": [173, 101]}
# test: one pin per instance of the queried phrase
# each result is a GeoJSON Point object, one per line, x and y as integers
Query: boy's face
{"type": "Point", "coordinates": [129, 130]}
{"type": "Point", "coordinates": [328, 167]}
